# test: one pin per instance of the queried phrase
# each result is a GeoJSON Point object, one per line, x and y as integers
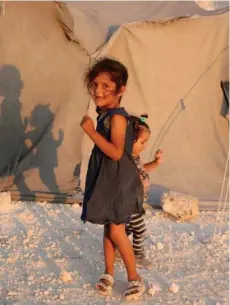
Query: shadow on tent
{"type": "Point", "coordinates": [77, 193]}
{"type": "Point", "coordinates": [26, 144]}
{"type": "Point", "coordinates": [12, 128]}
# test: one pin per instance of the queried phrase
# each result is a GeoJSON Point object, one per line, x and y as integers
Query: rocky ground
{"type": "Point", "coordinates": [48, 256]}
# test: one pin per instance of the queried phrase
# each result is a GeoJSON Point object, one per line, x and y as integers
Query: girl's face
{"type": "Point", "coordinates": [104, 91]}
{"type": "Point", "coordinates": [141, 143]}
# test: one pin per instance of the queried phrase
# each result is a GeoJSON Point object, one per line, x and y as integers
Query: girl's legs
{"type": "Point", "coordinates": [106, 283]}
{"type": "Point", "coordinates": [109, 252]}
{"type": "Point", "coordinates": [115, 235]}
{"type": "Point", "coordinates": [128, 230]}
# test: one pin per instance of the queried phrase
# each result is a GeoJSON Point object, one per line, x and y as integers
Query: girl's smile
{"type": "Point", "coordinates": [104, 91]}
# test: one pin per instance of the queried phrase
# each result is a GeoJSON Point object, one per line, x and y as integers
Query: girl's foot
{"type": "Point", "coordinates": [135, 290]}
{"type": "Point", "coordinates": [105, 284]}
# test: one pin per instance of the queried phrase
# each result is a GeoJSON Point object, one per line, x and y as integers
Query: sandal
{"type": "Point", "coordinates": [102, 288]}
{"type": "Point", "coordinates": [134, 291]}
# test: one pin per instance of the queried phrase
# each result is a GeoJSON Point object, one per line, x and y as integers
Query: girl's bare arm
{"type": "Point", "coordinates": [113, 149]}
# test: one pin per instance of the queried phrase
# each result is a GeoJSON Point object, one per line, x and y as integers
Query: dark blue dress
{"type": "Point", "coordinates": [113, 190]}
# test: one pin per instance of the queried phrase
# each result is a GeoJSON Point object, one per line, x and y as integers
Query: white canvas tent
{"type": "Point", "coordinates": [175, 64]}
{"type": "Point", "coordinates": [42, 100]}
{"type": "Point", "coordinates": [92, 23]}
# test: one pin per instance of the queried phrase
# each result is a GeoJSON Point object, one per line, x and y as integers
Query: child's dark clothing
{"type": "Point", "coordinates": [114, 190]}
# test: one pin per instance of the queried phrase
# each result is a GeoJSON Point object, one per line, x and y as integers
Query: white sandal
{"type": "Point", "coordinates": [102, 288]}
{"type": "Point", "coordinates": [134, 291]}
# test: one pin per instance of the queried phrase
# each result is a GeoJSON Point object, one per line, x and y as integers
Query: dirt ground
{"type": "Point", "coordinates": [38, 241]}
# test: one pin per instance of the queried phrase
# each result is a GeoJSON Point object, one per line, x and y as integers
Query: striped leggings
{"type": "Point", "coordinates": [136, 226]}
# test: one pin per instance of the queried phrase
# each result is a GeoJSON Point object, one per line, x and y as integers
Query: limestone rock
{"type": "Point", "coordinates": [174, 288]}
{"type": "Point", "coordinates": [65, 276]}
{"type": "Point", "coordinates": [153, 288]}
{"type": "Point", "coordinates": [182, 207]}
{"type": "Point", "coordinates": [160, 246]}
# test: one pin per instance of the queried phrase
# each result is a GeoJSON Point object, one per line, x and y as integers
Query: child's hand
{"type": "Point", "coordinates": [87, 125]}
{"type": "Point", "coordinates": [159, 156]}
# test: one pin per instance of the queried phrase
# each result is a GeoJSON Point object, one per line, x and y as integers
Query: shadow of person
{"type": "Point", "coordinates": [76, 192]}
{"type": "Point", "coordinates": [40, 140]}
{"type": "Point", "coordinates": [12, 129]}
{"type": "Point", "coordinates": [76, 174]}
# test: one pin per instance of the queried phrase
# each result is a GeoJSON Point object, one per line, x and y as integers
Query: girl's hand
{"type": "Point", "coordinates": [87, 125]}
{"type": "Point", "coordinates": [159, 156]}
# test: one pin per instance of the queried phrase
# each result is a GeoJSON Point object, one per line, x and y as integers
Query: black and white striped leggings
{"type": "Point", "coordinates": [136, 226]}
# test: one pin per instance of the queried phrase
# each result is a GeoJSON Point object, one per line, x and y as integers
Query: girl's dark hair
{"type": "Point", "coordinates": [139, 125]}
{"type": "Point", "coordinates": [116, 70]}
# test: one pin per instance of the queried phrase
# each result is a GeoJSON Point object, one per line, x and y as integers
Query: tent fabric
{"type": "Point", "coordinates": [42, 100]}
{"type": "Point", "coordinates": [175, 71]}
{"type": "Point", "coordinates": [93, 22]}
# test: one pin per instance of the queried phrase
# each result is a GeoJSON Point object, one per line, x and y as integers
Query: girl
{"type": "Point", "coordinates": [136, 225]}
{"type": "Point", "coordinates": [113, 189]}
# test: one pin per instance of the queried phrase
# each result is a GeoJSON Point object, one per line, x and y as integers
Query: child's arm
{"type": "Point", "coordinates": [113, 149]}
{"type": "Point", "coordinates": [148, 167]}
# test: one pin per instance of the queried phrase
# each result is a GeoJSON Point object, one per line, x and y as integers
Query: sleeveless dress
{"type": "Point", "coordinates": [113, 190]}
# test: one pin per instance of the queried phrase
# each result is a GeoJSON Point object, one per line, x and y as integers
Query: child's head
{"type": "Point", "coordinates": [141, 132]}
{"type": "Point", "coordinates": [106, 81]}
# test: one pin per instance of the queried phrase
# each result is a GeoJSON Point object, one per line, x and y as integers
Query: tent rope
{"type": "Point", "coordinates": [219, 214]}
{"type": "Point", "coordinates": [181, 105]}
{"type": "Point", "coordinates": [221, 218]}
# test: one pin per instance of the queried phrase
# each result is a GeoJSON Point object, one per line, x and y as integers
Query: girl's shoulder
{"type": "Point", "coordinates": [120, 111]}
{"type": "Point", "coordinates": [113, 111]}
{"type": "Point", "coordinates": [104, 122]}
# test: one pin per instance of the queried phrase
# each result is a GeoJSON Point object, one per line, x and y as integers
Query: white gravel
{"type": "Point", "coordinates": [40, 242]}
